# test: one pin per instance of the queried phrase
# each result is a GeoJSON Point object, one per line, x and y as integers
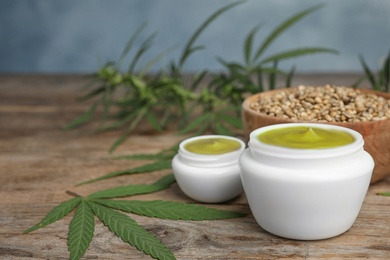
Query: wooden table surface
{"type": "Point", "coordinates": [39, 162]}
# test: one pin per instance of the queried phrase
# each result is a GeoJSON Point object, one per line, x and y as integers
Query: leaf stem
{"type": "Point", "coordinates": [71, 193]}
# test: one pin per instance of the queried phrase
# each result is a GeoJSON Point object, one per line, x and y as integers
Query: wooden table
{"type": "Point", "coordinates": [39, 162]}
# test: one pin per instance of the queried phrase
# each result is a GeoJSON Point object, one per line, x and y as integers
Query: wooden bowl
{"type": "Point", "coordinates": [376, 134]}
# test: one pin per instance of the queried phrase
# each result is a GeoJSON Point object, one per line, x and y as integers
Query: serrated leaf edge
{"type": "Point", "coordinates": [130, 232]}
{"type": "Point", "coordinates": [169, 210]}
{"type": "Point", "coordinates": [131, 190]}
{"type": "Point", "coordinates": [57, 213]}
{"type": "Point", "coordinates": [81, 231]}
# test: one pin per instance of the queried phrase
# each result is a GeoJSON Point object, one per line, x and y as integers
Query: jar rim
{"type": "Point", "coordinates": [230, 157]}
{"type": "Point", "coordinates": [280, 151]}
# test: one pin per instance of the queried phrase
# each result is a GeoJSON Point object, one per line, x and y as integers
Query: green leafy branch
{"type": "Point", "coordinates": [249, 75]}
{"type": "Point", "coordinates": [124, 100]}
{"type": "Point", "coordinates": [110, 213]}
{"type": "Point", "coordinates": [380, 81]}
{"type": "Point", "coordinates": [159, 100]}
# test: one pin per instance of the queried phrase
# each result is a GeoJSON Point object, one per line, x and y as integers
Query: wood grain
{"type": "Point", "coordinates": [39, 162]}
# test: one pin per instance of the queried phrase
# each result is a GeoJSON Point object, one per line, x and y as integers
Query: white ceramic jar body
{"type": "Point", "coordinates": [208, 178]}
{"type": "Point", "coordinates": [305, 194]}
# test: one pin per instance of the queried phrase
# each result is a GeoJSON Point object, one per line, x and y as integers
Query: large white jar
{"type": "Point", "coordinates": [305, 194]}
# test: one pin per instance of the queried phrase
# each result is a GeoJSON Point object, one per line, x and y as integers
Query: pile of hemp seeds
{"type": "Point", "coordinates": [324, 104]}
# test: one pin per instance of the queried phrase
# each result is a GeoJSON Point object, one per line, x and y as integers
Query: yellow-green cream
{"type": "Point", "coordinates": [304, 137]}
{"type": "Point", "coordinates": [212, 146]}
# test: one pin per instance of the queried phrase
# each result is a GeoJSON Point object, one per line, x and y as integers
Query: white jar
{"type": "Point", "coordinates": [209, 178]}
{"type": "Point", "coordinates": [305, 194]}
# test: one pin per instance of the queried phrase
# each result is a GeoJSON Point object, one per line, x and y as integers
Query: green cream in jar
{"type": "Point", "coordinates": [306, 137]}
{"type": "Point", "coordinates": [213, 146]}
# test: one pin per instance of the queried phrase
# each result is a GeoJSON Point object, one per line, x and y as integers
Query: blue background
{"type": "Point", "coordinates": [79, 36]}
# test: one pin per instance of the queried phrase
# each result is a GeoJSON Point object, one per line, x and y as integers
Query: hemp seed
{"type": "Point", "coordinates": [324, 104]}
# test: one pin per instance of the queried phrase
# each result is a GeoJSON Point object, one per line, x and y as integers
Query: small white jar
{"type": "Point", "coordinates": [305, 194]}
{"type": "Point", "coordinates": [208, 178]}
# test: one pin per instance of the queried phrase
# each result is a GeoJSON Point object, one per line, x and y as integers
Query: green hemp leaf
{"type": "Point", "coordinates": [81, 228]}
{"type": "Point", "coordinates": [81, 231]}
{"type": "Point", "coordinates": [384, 193]}
{"type": "Point", "coordinates": [169, 209]}
{"type": "Point", "coordinates": [131, 190]}
{"type": "Point", "coordinates": [57, 213]}
{"type": "Point", "coordinates": [150, 167]}
{"type": "Point", "coordinates": [162, 159]}
{"type": "Point", "coordinates": [129, 231]}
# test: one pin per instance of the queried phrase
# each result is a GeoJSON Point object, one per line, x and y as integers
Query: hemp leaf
{"type": "Point", "coordinates": [56, 213]}
{"type": "Point", "coordinates": [380, 81]}
{"type": "Point", "coordinates": [129, 231]}
{"type": "Point", "coordinates": [169, 209]}
{"type": "Point", "coordinates": [384, 193]}
{"type": "Point", "coordinates": [130, 190]}
{"type": "Point", "coordinates": [163, 162]}
{"type": "Point", "coordinates": [155, 166]}
{"type": "Point", "coordinates": [81, 230]}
